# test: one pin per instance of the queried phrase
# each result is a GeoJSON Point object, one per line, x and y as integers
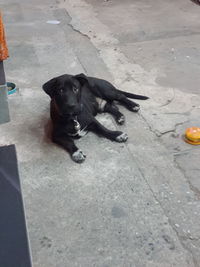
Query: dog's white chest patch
{"type": "Point", "coordinates": [101, 102]}
{"type": "Point", "coordinates": [81, 133]}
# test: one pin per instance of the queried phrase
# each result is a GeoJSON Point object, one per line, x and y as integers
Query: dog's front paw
{"type": "Point", "coordinates": [78, 156]}
{"type": "Point", "coordinates": [122, 138]}
{"type": "Point", "coordinates": [121, 120]}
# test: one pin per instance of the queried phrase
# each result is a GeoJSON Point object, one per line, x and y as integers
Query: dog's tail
{"type": "Point", "coordinates": [134, 96]}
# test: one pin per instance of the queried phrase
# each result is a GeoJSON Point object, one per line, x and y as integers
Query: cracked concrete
{"type": "Point", "coordinates": [127, 205]}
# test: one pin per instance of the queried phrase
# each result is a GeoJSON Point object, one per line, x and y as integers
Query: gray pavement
{"type": "Point", "coordinates": [134, 204]}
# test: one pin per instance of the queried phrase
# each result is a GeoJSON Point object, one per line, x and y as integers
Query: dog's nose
{"type": "Point", "coordinates": [71, 106]}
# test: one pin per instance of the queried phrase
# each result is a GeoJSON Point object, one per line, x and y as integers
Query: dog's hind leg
{"type": "Point", "coordinates": [110, 94]}
{"type": "Point", "coordinates": [129, 104]}
{"type": "Point", "coordinates": [68, 144]}
{"type": "Point", "coordinates": [111, 108]}
{"type": "Point", "coordinates": [123, 100]}
{"type": "Point", "coordinates": [99, 129]}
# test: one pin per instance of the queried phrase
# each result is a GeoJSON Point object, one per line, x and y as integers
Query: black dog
{"type": "Point", "coordinates": [76, 100]}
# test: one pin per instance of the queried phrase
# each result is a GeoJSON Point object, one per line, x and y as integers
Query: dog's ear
{"type": "Point", "coordinates": [82, 78]}
{"type": "Point", "coordinates": [50, 86]}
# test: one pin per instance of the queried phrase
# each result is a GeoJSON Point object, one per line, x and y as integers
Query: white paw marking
{"type": "Point", "coordinates": [78, 156]}
{"type": "Point", "coordinates": [121, 120]}
{"type": "Point", "coordinates": [122, 138]}
{"type": "Point", "coordinates": [136, 108]}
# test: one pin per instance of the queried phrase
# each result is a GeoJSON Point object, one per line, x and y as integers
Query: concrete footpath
{"type": "Point", "coordinates": [135, 204]}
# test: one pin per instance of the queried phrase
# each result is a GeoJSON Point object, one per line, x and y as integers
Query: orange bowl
{"type": "Point", "coordinates": [192, 135]}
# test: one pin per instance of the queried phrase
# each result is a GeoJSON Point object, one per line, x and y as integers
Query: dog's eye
{"type": "Point", "coordinates": [75, 90]}
{"type": "Point", "coordinates": [61, 90]}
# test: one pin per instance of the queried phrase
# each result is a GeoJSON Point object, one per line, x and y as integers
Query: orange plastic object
{"type": "Point", "coordinates": [3, 45]}
{"type": "Point", "coordinates": [192, 135]}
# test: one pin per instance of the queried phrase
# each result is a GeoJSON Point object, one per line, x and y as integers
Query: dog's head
{"type": "Point", "coordinates": [65, 91]}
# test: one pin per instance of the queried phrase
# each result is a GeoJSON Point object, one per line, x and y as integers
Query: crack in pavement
{"type": "Point", "coordinates": [192, 187]}
{"type": "Point", "coordinates": [74, 29]}
{"type": "Point", "coordinates": [169, 100]}
{"type": "Point", "coordinates": [158, 133]}
{"type": "Point", "coordinates": [175, 128]}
